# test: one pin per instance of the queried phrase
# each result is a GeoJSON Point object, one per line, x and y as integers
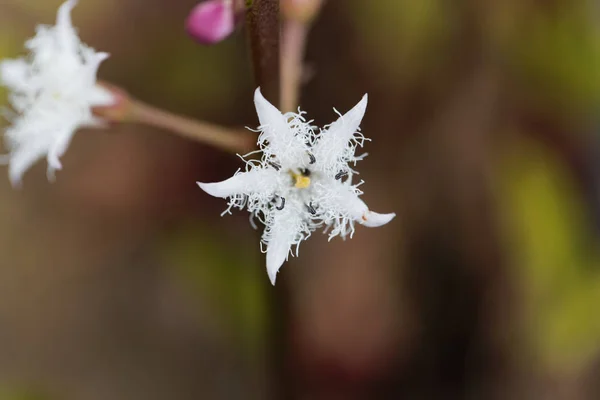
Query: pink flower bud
{"type": "Point", "coordinates": [211, 21]}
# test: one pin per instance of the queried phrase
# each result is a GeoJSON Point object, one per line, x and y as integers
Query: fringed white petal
{"type": "Point", "coordinates": [277, 253]}
{"type": "Point", "coordinates": [263, 180]}
{"type": "Point", "coordinates": [21, 160]}
{"type": "Point", "coordinates": [13, 74]}
{"type": "Point", "coordinates": [64, 26]}
{"type": "Point", "coordinates": [340, 207]}
{"type": "Point", "coordinates": [285, 137]}
{"type": "Point", "coordinates": [373, 219]}
{"type": "Point", "coordinates": [92, 61]}
{"type": "Point", "coordinates": [337, 143]}
{"type": "Point", "coordinates": [285, 229]}
{"type": "Point", "coordinates": [344, 128]}
{"type": "Point", "coordinates": [58, 148]}
{"type": "Point", "coordinates": [273, 124]}
{"type": "Point", "coordinates": [101, 97]}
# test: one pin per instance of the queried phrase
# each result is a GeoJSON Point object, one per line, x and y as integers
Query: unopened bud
{"type": "Point", "coordinates": [211, 21]}
{"type": "Point", "coordinates": [301, 10]}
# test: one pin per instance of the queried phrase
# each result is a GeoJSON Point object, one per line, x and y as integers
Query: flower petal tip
{"type": "Point", "coordinates": [224, 188]}
{"type": "Point", "coordinates": [272, 277]}
{"type": "Point", "coordinates": [67, 6]}
{"type": "Point", "coordinates": [63, 17]}
{"type": "Point", "coordinates": [267, 113]}
{"type": "Point", "coordinates": [209, 188]}
{"type": "Point", "coordinates": [16, 182]}
{"type": "Point", "coordinates": [101, 56]}
{"type": "Point", "coordinates": [373, 219]}
{"type": "Point", "coordinates": [259, 100]}
{"type": "Point", "coordinates": [54, 163]}
{"type": "Point", "coordinates": [358, 111]}
{"type": "Point", "coordinates": [276, 256]}
{"type": "Point", "coordinates": [273, 266]}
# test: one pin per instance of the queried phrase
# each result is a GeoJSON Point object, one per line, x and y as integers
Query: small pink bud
{"type": "Point", "coordinates": [211, 21]}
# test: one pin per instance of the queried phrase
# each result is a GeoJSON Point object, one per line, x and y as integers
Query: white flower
{"type": "Point", "coordinates": [302, 182]}
{"type": "Point", "coordinates": [52, 92]}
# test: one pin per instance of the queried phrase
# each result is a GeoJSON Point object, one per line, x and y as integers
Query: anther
{"type": "Point", "coordinates": [274, 165]}
{"type": "Point", "coordinates": [305, 171]}
{"type": "Point", "coordinates": [280, 207]}
{"type": "Point", "coordinates": [340, 175]}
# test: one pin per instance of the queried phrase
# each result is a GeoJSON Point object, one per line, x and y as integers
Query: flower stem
{"type": "Point", "coordinates": [230, 140]}
{"type": "Point", "coordinates": [262, 23]}
{"type": "Point", "coordinates": [292, 58]}
{"type": "Point", "coordinates": [263, 29]}
{"type": "Point", "coordinates": [298, 17]}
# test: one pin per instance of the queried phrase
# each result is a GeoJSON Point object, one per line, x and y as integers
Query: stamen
{"type": "Point", "coordinates": [305, 171]}
{"type": "Point", "coordinates": [312, 158]}
{"type": "Point", "coordinates": [340, 175]}
{"type": "Point", "coordinates": [274, 165]}
{"type": "Point", "coordinates": [280, 207]}
{"type": "Point", "coordinates": [311, 209]}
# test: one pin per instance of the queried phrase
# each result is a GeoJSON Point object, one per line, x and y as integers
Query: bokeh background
{"type": "Point", "coordinates": [121, 280]}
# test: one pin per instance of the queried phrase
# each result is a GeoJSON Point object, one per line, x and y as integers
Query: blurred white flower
{"type": "Point", "coordinates": [302, 182]}
{"type": "Point", "coordinates": [52, 92]}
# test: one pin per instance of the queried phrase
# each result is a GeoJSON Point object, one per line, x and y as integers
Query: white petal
{"type": "Point", "coordinates": [58, 148]}
{"type": "Point", "coordinates": [373, 219]}
{"type": "Point", "coordinates": [334, 149]}
{"type": "Point", "coordinates": [284, 231]}
{"type": "Point", "coordinates": [340, 205]}
{"type": "Point", "coordinates": [258, 180]}
{"type": "Point", "coordinates": [21, 160]}
{"type": "Point", "coordinates": [64, 25]}
{"type": "Point", "coordinates": [95, 122]}
{"type": "Point", "coordinates": [274, 123]}
{"type": "Point", "coordinates": [63, 17]}
{"type": "Point", "coordinates": [277, 253]}
{"type": "Point", "coordinates": [13, 73]}
{"type": "Point", "coordinates": [341, 198]}
{"type": "Point", "coordinates": [286, 141]}
{"type": "Point", "coordinates": [345, 126]}
{"type": "Point", "coordinates": [101, 97]}
{"type": "Point", "coordinates": [92, 61]}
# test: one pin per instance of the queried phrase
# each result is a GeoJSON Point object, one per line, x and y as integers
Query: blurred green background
{"type": "Point", "coordinates": [121, 281]}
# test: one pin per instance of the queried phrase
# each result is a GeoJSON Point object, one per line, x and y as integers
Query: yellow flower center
{"type": "Point", "coordinates": [301, 181]}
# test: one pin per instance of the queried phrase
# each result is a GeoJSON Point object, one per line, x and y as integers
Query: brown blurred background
{"type": "Point", "coordinates": [121, 281]}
